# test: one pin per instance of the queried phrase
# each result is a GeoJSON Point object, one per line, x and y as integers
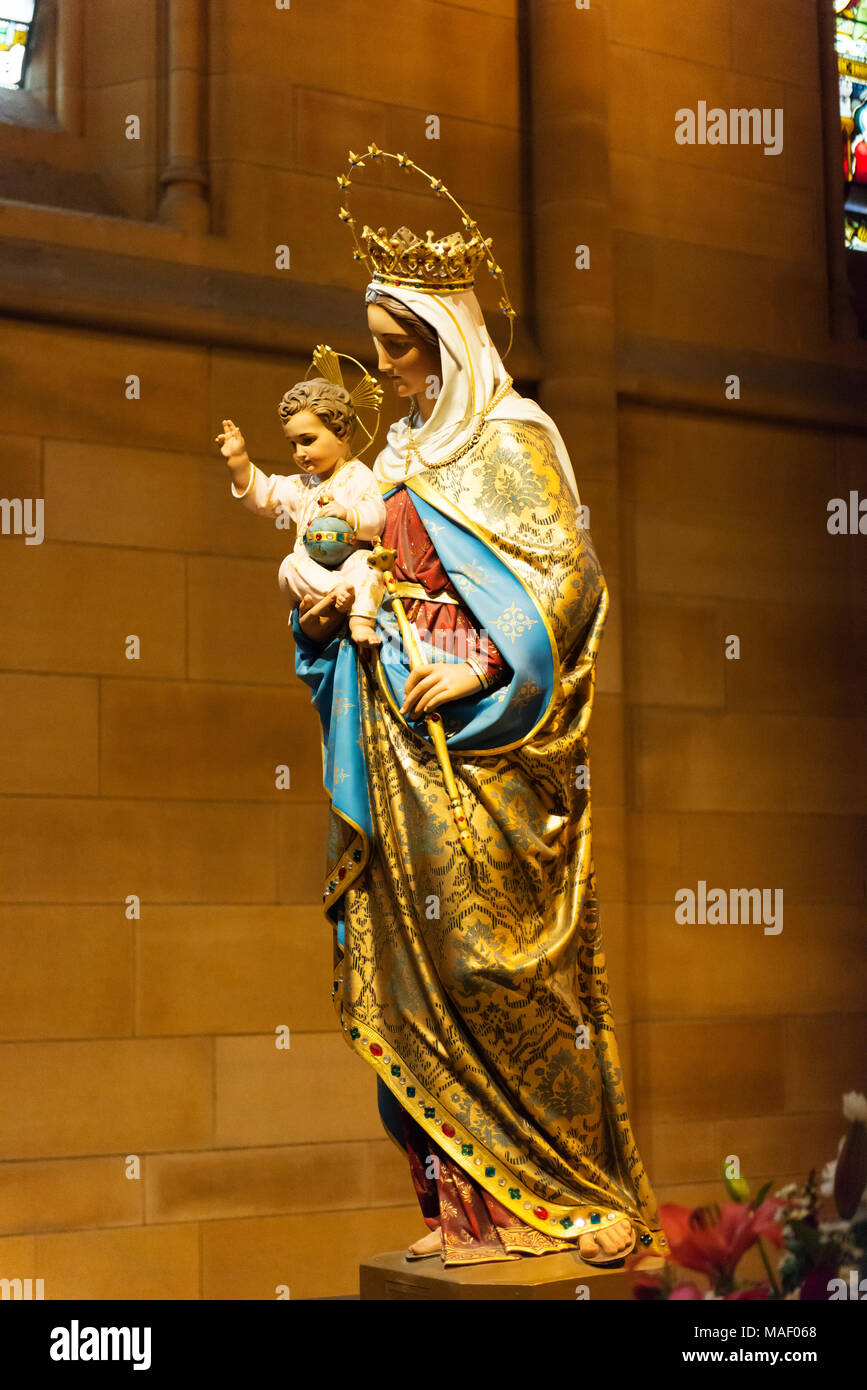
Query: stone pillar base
{"type": "Point", "coordinates": [392, 1276]}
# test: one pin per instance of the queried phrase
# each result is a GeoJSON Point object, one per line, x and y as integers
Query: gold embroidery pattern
{"type": "Point", "coordinates": [534, 523]}
{"type": "Point", "coordinates": [513, 622]}
{"type": "Point", "coordinates": [527, 692]}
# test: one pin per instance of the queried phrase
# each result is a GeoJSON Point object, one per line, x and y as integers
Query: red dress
{"type": "Point", "coordinates": [475, 1228]}
{"type": "Point", "coordinates": [418, 563]}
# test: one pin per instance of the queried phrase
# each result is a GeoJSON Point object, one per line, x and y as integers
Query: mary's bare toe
{"type": "Point", "coordinates": [611, 1240]}
{"type": "Point", "coordinates": [431, 1241]}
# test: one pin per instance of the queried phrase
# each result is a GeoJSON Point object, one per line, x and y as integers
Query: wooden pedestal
{"type": "Point", "coordinates": [557, 1276]}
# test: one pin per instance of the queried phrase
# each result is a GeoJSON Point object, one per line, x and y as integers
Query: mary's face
{"type": "Point", "coordinates": [409, 363]}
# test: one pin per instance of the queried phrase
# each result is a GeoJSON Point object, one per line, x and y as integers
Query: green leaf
{"type": "Point", "coordinates": [762, 1193]}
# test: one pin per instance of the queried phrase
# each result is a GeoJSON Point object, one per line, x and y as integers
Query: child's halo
{"type": "Point", "coordinates": [366, 395]}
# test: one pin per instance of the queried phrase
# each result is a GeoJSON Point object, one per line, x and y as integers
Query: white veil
{"type": "Point", "coordinates": [473, 372]}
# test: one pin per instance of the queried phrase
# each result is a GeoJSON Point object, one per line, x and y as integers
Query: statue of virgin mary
{"type": "Point", "coordinates": [475, 986]}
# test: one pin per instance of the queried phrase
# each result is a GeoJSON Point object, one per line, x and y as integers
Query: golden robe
{"type": "Point", "coordinates": [477, 990]}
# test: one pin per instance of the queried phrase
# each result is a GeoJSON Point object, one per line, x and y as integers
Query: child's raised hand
{"type": "Point", "coordinates": [231, 441]}
{"type": "Point", "coordinates": [335, 509]}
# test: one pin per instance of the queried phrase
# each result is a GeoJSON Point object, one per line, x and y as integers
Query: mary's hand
{"type": "Point", "coordinates": [428, 687]}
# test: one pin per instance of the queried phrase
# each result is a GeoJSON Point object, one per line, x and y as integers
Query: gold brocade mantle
{"type": "Point", "coordinates": [478, 991]}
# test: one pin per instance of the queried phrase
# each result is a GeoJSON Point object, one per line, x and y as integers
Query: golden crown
{"type": "Point", "coordinates": [443, 264]}
{"type": "Point", "coordinates": [429, 264]}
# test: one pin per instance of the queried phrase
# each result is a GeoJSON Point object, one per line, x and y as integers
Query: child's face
{"type": "Point", "coordinates": [316, 449]}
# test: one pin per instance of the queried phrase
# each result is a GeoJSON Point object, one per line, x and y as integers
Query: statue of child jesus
{"type": "Point", "coordinates": [318, 419]}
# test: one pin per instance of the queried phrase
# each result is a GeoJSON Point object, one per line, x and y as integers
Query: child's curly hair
{"type": "Point", "coordinates": [329, 402]}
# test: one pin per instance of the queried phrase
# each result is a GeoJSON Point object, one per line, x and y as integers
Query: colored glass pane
{"type": "Point", "coordinates": [850, 43]}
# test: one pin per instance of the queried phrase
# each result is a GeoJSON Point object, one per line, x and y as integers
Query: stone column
{"type": "Point", "coordinates": [70, 66]}
{"type": "Point", "coordinates": [184, 202]}
{"type": "Point", "coordinates": [575, 330]}
{"type": "Point", "coordinates": [574, 309]}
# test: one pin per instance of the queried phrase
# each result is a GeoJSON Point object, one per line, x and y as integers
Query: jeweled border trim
{"type": "Point", "coordinates": [570, 1222]}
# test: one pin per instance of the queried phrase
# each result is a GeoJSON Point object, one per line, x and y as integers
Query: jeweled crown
{"type": "Point", "coordinates": [429, 264]}
{"type": "Point", "coordinates": [445, 264]}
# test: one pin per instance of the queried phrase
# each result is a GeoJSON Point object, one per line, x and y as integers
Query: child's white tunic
{"type": "Point", "coordinates": [297, 497]}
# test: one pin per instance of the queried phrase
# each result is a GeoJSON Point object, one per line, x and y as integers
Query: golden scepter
{"type": "Point", "coordinates": [382, 559]}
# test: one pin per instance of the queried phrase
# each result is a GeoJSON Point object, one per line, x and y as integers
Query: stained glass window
{"type": "Point", "coordinates": [16, 17]}
{"type": "Point", "coordinates": [851, 46]}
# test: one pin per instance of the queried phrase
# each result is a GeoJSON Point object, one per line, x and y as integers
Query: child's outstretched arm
{"type": "Point", "coordinates": [234, 450]}
{"type": "Point", "coordinates": [271, 495]}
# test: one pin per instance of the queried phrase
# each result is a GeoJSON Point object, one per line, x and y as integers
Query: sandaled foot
{"type": "Point", "coordinates": [319, 620]}
{"type": "Point", "coordinates": [609, 1244]}
{"type": "Point", "coordinates": [431, 1244]}
{"type": "Point", "coordinates": [363, 633]}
